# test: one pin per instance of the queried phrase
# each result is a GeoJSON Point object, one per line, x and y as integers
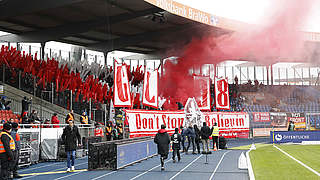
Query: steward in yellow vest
{"type": "Point", "coordinates": [84, 119]}
{"type": "Point", "coordinates": [7, 148]}
{"type": "Point", "coordinates": [108, 131]}
{"type": "Point", "coordinates": [215, 135]}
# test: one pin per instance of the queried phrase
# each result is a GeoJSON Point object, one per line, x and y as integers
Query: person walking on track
{"type": "Point", "coordinates": [205, 134]}
{"type": "Point", "coordinates": [197, 138]}
{"type": "Point", "coordinates": [69, 137]}
{"type": "Point", "coordinates": [7, 148]}
{"type": "Point", "coordinates": [176, 140]}
{"type": "Point", "coordinates": [191, 136]}
{"type": "Point", "coordinates": [183, 136]}
{"type": "Point", "coordinates": [162, 140]}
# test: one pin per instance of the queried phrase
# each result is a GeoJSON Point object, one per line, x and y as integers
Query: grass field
{"type": "Point", "coordinates": [269, 163]}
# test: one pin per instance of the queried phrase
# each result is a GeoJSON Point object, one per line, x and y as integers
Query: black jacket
{"type": "Point", "coordinates": [25, 105]}
{"type": "Point", "coordinates": [8, 155]}
{"type": "Point", "coordinates": [197, 132]}
{"type": "Point", "coordinates": [205, 132]}
{"type": "Point", "coordinates": [162, 139]}
{"type": "Point", "coordinates": [70, 137]}
{"type": "Point", "coordinates": [176, 140]}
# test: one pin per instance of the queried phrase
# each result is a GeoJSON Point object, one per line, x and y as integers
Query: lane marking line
{"type": "Point", "coordinates": [149, 170]}
{"type": "Point", "coordinates": [215, 170]}
{"type": "Point", "coordinates": [301, 163]}
{"type": "Point", "coordinates": [104, 175]}
{"type": "Point", "coordinates": [185, 167]}
{"type": "Point", "coordinates": [68, 175]}
{"type": "Point", "coordinates": [250, 169]}
{"type": "Point", "coordinates": [50, 172]}
{"type": "Point", "coordinates": [38, 167]}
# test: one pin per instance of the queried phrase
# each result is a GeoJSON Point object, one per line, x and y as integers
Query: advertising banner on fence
{"type": "Point", "coordinates": [261, 117]}
{"type": "Point", "coordinates": [298, 119]}
{"type": "Point", "coordinates": [263, 132]}
{"type": "Point", "coordinates": [294, 136]}
{"type": "Point", "coordinates": [278, 119]}
{"type": "Point", "coordinates": [147, 123]}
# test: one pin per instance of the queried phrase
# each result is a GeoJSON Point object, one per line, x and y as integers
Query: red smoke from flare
{"type": "Point", "coordinates": [278, 38]}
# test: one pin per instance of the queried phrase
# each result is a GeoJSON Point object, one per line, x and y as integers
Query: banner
{"type": "Point", "coordinates": [147, 123]}
{"type": "Point", "coordinates": [231, 124]}
{"type": "Point", "coordinates": [263, 132]}
{"type": "Point", "coordinates": [278, 119]}
{"type": "Point", "coordinates": [150, 88]}
{"type": "Point", "coordinates": [221, 92]}
{"type": "Point", "coordinates": [298, 119]}
{"type": "Point", "coordinates": [294, 136]}
{"type": "Point", "coordinates": [112, 113]}
{"type": "Point", "coordinates": [121, 93]}
{"type": "Point", "coordinates": [261, 117]}
{"type": "Point", "coordinates": [202, 85]}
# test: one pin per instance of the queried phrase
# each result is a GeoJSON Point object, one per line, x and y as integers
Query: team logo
{"type": "Point", "coordinates": [278, 137]}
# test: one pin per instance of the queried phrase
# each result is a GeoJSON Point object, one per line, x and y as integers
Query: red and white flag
{"type": "Point", "coordinates": [221, 91]}
{"type": "Point", "coordinates": [150, 88]}
{"type": "Point", "coordinates": [203, 85]}
{"type": "Point", "coordinates": [121, 93]}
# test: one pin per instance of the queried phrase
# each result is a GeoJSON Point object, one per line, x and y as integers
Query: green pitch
{"type": "Point", "coordinates": [269, 163]}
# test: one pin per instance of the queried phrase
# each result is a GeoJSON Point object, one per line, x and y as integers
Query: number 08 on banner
{"type": "Point", "coordinates": [221, 92]}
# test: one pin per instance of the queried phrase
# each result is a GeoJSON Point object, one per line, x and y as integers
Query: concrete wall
{"type": "Point", "coordinates": [45, 109]}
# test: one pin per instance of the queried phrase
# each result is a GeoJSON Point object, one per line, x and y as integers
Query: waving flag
{"type": "Point", "coordinates": [150, 88]}
{"type": "Point", "coordinates": [221, 91]}
{"type": "Point", "coordinates": [202, 85]}
{"type": "Point", "coordinates": [122, 95]}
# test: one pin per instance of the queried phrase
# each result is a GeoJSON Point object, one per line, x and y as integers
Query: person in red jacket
{"type": "Point", "coordinates": [55, 120]}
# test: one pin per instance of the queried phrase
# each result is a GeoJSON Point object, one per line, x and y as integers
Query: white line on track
{"type": "Point", "coordinates": [52, 170]}
{"type": "Point", "coordinates": [312, 170]}
{"type": "Point", "coordinates": [148, 170]}
{"type": "Point", "coordinates": [185, 167]}
{"type": "Point", "coordinates": [68, 175]}
{"type": "Point", "coordinates": [104, 175]}
{"type": "Point", "coordinates": [38, 167]}
{"type": "Point", "coordinates": [215, 170]}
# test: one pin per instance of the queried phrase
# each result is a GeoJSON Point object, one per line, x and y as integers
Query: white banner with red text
{"type": "Point", "coordinates": [150, 88]}
{"type": "Point", "coordinates": [121, 93]}
{"type": "Point", "coordinates": [221, 91]}
{"type": "Point", "coordinates": [202, 85]}
{"type": "Point", "coordinates": [147, 123]}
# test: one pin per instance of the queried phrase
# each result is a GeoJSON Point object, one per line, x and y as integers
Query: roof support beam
{"type": "Point", "coordinates": [122, 42]}
{"type": "Point", "coordinates": [62, 31]}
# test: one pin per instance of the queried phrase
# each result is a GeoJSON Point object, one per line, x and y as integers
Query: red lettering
{"type": "Point", "coordinates": [138, 121]}
{"type": "Point", "coordinates": [144, 123]}
{"type": "Point", "coordinates": [174, 122]}
{"type": "Point", "coordinates": [150, 123]}
{"type": "Point", "coordinates": [222, 95]}
{"type": "Point", "coordinates": [207, 119]}
{"type": "Point", "coordinates": [168, 122]}
{"type": "Point", "coordinates": [122, 96]}
{"type": "Point", "coordinates": [241, 122]}
{"type": "Point", "coordinates": [180, 122]}
{"type": "Point", "coordinates": [151, 100]}
{"type": "Point", "coordinates": [226, 121]}
{"type": "Point", "coordinates": [164, 119]}
{"type": "Point", "coordinates": [157, 119]}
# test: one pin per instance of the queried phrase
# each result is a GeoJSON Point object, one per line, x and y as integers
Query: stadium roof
{"type": "Point", "coordinates": [101, 25]}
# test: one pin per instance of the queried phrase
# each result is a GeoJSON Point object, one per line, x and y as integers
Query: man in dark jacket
{"type": "Point", "coordinates": [176, 140]}
{"type": "Point", "coordinates": [16, 137]}
{"type": "Point", "coordinates": [191, 136]}
{"type": "Point", "coordinates": [7, 148]}
{"type": "Point", "coordinates": [162, 140]}
{"type": "Point", "coordinates": [197, 138]}
{"type": "Point", "coordinates": [205, 134]}
{"type": "Point", "coordinates": [69, 137]}
{"type": "Point", "coordinates": [25, 104]}
{"type": "Point", "coordinates": [183, 136]}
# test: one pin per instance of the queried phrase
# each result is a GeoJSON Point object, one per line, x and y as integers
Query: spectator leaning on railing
{"type": "Point", "coordinates": [55, 120]}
